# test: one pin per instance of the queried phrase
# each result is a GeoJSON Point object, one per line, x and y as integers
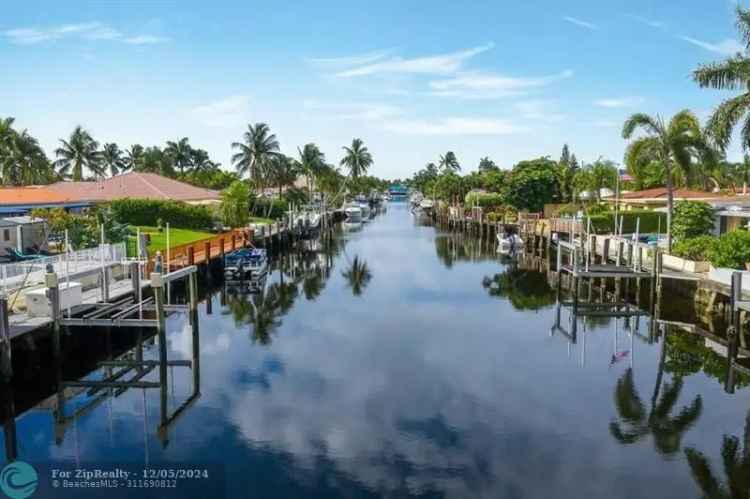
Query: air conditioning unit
{"type": "Point", "coordinates": [38, 304]}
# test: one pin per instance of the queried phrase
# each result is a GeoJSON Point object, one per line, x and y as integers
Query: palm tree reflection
{"type": "Point", "coordinates": [263, 310]}
{"type": "Point", "coordinates": [635, 424]}
{"type": "Point", "coordinates": [736, 467]}
{"type": "Point", "coordinates": [525, 289]}
{"type": "Point", "coordinates": [358, 276]}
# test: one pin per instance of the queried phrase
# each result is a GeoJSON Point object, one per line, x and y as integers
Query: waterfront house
{"type": "Point", "coordinates": [16, 201]}
{"type": "Point", "coordinates": [22, 233]}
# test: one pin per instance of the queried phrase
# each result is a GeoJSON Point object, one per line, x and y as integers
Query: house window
{"type": "Point", "coordinates": [6, 235]}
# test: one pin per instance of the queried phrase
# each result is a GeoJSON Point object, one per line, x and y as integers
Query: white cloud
{"type": "Point", "coordinates": [491, 85]}
{"type": "Point", "coordinates": [348, 61]}
{"type": "Point", "coordinates": [145, 40]}
{"type": "Point", "coordinates": [454, 126]}
{"type": "Point", "coordinates": [540, 110]}
{"type": "Point", "coordinates": [359, 111]}
{"type": "Point", "coordinates": [227, 112]}
{"type": "Point", "coordinates": [730, 46]}
{"type": "Point", "coordinates": [619, 102]}
{"type": "Point", "coordinates": [437, 64]}
{"type": "Point", "coordinates": [648, 22]}
{"type": "Point", "coordinates": [91, 31]}
{"type": "Point", "coordinates": [581, 23]}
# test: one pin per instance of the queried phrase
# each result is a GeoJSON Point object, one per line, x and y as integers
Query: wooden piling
{"type": "Point", "coordinates": [6, 354]}
{"type": "Point", "coordinates": [53, 294]}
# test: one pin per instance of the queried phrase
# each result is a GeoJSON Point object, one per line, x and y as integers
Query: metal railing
{"type": "Point", "coordinates": [19, 275]}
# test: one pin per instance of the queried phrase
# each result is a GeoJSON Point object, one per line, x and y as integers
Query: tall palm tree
{"type": "Point", "coordinates": [736, 459]}
{"type": "Point", "coordinates": [155, 161]}
{"type": "Point", "coordinates": [180, 153]}
{"type": "Point", "coordinates": [112, 159]}
{"type": "Point", "coordinates": [200, 161]}
{"type": "Point", "coordinates": [357, 158]}
{"type": "Point", "coordinates": [33, 166]}
{"type": "Point", "coordinates": [133, 158]}
{"type": "Point", "coordinates": [732, 73]}
{"type": "Point", "coordinates": [258, 146]}
{"type": "Point", "coordinates": [449, 162]}
{"type": "Point", "coordinates": [78, 152]}
{"type": "Point", "coordinates": [282, 171]}
{"type": "Point", "coordinates": [312, 162]}
{"type": "Point", "coordinates": [636, 424]}
{"type": "Point", "coordinates": [673, 145]}
{"type": "Point", "coordinates": [357, 276]}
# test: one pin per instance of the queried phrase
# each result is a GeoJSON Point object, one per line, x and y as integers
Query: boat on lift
{"type": "Point", "coordinates": [353, 214]}
{"type": "Point", "coordinates": [246, 261]}
{"type": "Point", "coordinates": [426, 205]}
{"type": "Point", "coordinates": [509, 243]}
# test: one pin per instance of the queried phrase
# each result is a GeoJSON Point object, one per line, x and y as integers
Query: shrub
{"type": "Point", "coordinates": [278, 207]}
{"type": "Point", "coordinates": [149, 211]}
{"type": "Point", "coordinates": [235, 204]}
{"type": "Point", "coordinates": [651, 221]}
{"type": "Point", "coordinates": [692, 219]}
{"type": "Point", "coordinates": [698, 249]}
{"type": "Point", "coordinates": [732, 250]}
{"type": "Point", "coordinates": [483, 199]}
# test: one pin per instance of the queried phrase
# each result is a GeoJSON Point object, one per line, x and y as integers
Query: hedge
{"type": "Point", "coordinates": [484, 199]}
{"type": "Point", "coordinates": [699, 249]}
{"type": "Point", "coordinates": [150, 211]}
{"type": "Point", "coordinates": [651, 221]}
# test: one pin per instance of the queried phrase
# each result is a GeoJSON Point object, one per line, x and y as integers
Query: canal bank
{"type": "Point", "coordinates": [404, 360]}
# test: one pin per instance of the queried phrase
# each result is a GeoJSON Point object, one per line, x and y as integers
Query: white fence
{"type": "Point", "coordinates": [19, 275]}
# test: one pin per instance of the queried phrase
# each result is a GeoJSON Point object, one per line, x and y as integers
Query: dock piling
{"type": "Point", "coordinates": [6, 364]}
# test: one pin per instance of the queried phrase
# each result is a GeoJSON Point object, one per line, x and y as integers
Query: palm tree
{"type": "Point", "coordinates": [449, 162]}
{"type": "Point", "coordinates": [666, 429]}
{"type": "Point", "coordinates": [736, 466]}
{"type": "Point", "coordinates": [358, 276]}
{"type": "Point", "coordinates": [112, 159]}
{"type": "Point", "coordinates": [732, 73]}
{"type": "Point", "coordinates": [486, 165]}
{"type": "Point", "coordinates": [357, 158]}
{"type": "Point", "coordinates": [313, 162]}
{"type": "Point", "coordinates": [155, 161]}
{"type": "Point", "coordinates": [180, 153]}
{"type": "Point", "coordinates": [133, 158]}
{"type": "Point", "coordinates": [258, 146]}
{"type": "Point", "coordinates": [200, 161]}
{"type": "Point", "coordinates": [282, 171]}
{"type": "Point", "coordinates": [672, 145]}
{"type": "Point", "coordinates": [22, 160]}
{"type": "Point", "coordinates": [78, 152]}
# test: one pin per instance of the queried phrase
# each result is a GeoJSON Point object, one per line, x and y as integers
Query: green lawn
{"type": "Point", "coordinates": [159, 239]}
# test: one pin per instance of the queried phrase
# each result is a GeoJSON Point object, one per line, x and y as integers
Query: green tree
{"type": "Point", "coordinates": [235, 204]}
{"type": "Point", "coordinates": [673, 145]}
{"type": "Point", "coordinates": [154, 160]}
{"type": "Point", "coordinates": [133, 158]}
{"type": "Point", "coordinates": [692, 219]}
{"type": "Point", "coordinates": [255, 151]}
{"type": "Point", "coordinates": [487, 165]}
{"type": "Point", "coordinates": [449, 162]}
{"type": "Point", "coordinates": [312, 162]}
{"type": "Point", "coordinates": [448, 186]}
{"type": "Point", "coordinates": [282, 171]}
{"type": "Point", "coordinates": [112, 158]}
{"type": "Point", "coordinates": [597, 176]}
{"type": "Point", "coordinates": [568, 167]}
{"type": "Point", "coordinates": [22, 160]}
{"type": "Point", "coordinates": [180, 153]}
{"type": "Point", "coordinates": [78, 152]}
{"type": "Point", "coordinates": [532, 184]}
{"type": "Point", "coordinates": [357, 158]}
{"type": "Point", "coordinates": [732, 73]}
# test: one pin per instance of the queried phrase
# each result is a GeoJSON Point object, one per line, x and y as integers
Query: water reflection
{"type": "Point", "coordinates": [736, 462]}
{"type": "Point", "coordinates": [357, 276]}
{"type": "Point", "coordinates": [525, 289]}
{"type": "Point", "coordinates": [637, 423]}
{"type": "Point", "coordinates": [454, 247]}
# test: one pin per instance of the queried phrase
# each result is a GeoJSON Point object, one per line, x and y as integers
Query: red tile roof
{"type": "Point", "coordinates": [134, 185]}
{"type": "Point", "coordinates": [31, 195]}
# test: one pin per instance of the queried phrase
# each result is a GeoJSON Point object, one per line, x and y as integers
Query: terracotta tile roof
{"type": "Point", "coordinates": [661, 192]}
{"type": "Point", "coordinates": [134, 185]}
{"type": "Point", "coordinates": [31, 195]}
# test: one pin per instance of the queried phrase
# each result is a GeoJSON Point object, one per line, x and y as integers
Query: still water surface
{"type": "Point", "coordinates": [400, 361]}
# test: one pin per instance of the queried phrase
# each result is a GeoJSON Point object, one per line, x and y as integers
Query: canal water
{"type": "Point", "coordinates": [401, 361]}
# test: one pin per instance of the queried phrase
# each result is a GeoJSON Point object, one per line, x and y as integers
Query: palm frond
{"type": "Point", "coordinates": [651, 125]}
{"type": "Point", "coordinates": [730, 74]}
{"type": "Point", "coordinates": [724, 119]}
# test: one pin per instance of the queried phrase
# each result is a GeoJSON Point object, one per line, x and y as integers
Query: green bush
{"type": "Point", "coordinates": [651, 221]}
{"type": "Point", "coordinates": [699, 249]}
{"type": "Point", "coordinates": [150, 211]}
{"type": "Point", "coordinates": [732, 250]}
{"type": "Point", "coordinates": [279, 207]}
{"type": "Point", "coordinates": [692, 219]}
{"type": "Point", "coordinates": [483, 199]}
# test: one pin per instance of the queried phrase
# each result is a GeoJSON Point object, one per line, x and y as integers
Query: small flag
{"type": "Point", "coordinates": [625, 176]}
{"type": "Point", "coordinates": [617, 357]}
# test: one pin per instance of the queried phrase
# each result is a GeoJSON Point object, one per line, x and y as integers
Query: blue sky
{"type": "Point", "coordinates": [509, 80]}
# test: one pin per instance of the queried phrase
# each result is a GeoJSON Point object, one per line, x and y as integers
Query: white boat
{"type": "Point", "coordinates": [353, 214]}
{"type": "Point", "coordinates": [509, 243]}
{"type": "Point", "coordinates": [426, 205]}
{"type": "Point", "coordinates": [365, 207]}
